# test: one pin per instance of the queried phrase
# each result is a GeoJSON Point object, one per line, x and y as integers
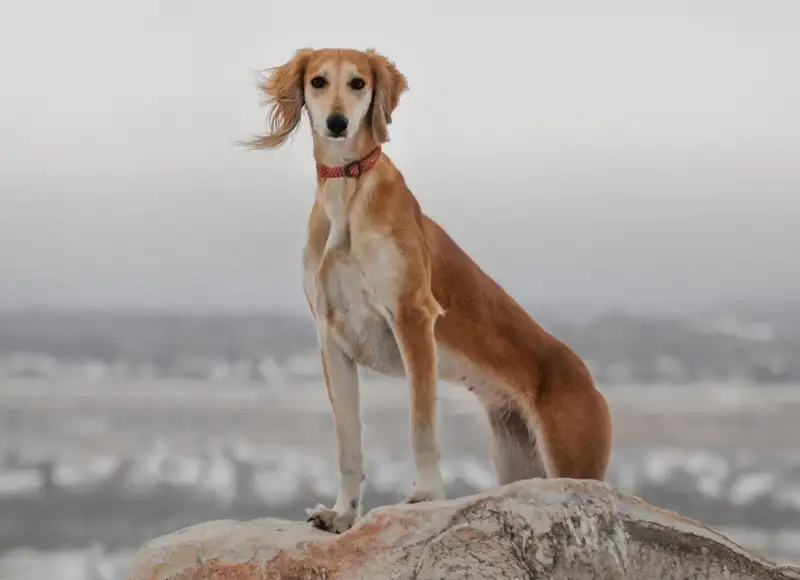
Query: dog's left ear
{"type": "Point", "coordinates": [389, 83]}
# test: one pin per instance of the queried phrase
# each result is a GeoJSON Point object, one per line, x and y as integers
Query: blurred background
{"type": "Point", "coordinates": [628, 171]}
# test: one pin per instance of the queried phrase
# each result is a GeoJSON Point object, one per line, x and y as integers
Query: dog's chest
{"type": "Point", "coordinates": [348, 300]}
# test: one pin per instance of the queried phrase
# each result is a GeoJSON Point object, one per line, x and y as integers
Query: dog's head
{"type": "Point", "coordinates": [345, 92]}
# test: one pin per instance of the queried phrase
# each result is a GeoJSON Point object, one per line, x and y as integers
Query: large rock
{"type": "Point", "coordinates": [542, 529]}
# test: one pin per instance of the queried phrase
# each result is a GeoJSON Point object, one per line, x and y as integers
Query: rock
{"type": "Point", "coordinates": [542, 528]}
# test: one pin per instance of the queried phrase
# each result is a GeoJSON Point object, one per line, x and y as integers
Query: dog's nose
{"type": "Point", "coordinates": [337, 124]}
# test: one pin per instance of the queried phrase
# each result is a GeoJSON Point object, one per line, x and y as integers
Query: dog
{"type": "Point", "coordinates": [389, 289]}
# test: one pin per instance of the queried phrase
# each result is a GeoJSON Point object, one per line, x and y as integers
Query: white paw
{"type": "Point", "coordinates": [328, 520]}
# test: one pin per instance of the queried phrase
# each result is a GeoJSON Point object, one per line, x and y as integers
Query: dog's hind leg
{"type": "Point", "coordinates": [514, 449]}
{"type": "Point", "coordinates": [573, 427]}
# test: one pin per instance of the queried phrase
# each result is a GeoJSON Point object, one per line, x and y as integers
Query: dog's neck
{"type": "Point", "coordinates": [337, 153]}
{"type": "Point", "coordinates": [335, 195]}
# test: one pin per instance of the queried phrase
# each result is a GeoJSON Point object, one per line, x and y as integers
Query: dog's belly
{"type": "Point", "coordinates": [456, 368]}
{"type": "Point", "coordinates": [369, 340]}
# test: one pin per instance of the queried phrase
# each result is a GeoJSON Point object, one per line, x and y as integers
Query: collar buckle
{"type": "Point", "coordinates": [353, 169]}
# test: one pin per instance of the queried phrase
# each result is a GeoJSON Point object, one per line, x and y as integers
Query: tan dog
{"type": "Point", "coordinates": [390, 290]}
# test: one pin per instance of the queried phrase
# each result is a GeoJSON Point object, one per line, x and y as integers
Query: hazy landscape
{"type": "Point", "coordinates": [740, 342]}
{"type": "Point", "coordinates": [104, 445]}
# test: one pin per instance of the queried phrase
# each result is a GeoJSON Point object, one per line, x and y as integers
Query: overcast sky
{"type": "Point", "coordinates": [611, 153]}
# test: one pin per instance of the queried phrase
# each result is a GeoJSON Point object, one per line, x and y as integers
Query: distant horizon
{"type": "Point", "coordinates": [553, 307]}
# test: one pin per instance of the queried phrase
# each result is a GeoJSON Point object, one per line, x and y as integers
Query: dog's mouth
{"type": "Point", "coordinates": [337, 136]}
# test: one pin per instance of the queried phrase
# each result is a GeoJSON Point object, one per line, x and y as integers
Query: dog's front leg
{"type": "Point", "coordinates": [341, 381]}
{"type": "Point", "coordinates": [413, 329]}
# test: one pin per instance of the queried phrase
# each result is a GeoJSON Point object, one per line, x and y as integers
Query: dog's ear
{"type": "Point", "coordinates": [388, 84]}
{"type": "Point", "coordinates": [283, 94]}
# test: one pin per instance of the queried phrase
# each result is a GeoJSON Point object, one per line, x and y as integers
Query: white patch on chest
{"type": "Point", "coordinates": [360, 284]}
{"type": "Point", "coordinates": [383, 270]}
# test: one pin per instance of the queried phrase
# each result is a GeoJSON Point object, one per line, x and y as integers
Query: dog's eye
{"type": "Point", "coordinates": [357, 84]}
{"type": "Point", "coordinates": [318, 82]}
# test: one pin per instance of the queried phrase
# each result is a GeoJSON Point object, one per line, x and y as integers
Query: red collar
{"type": "Point", "coordinates": [354, 169]}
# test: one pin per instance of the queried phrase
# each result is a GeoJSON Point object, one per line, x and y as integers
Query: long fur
{"type": "Point", "coordinates": [282, 93]}
{"type": "Point", "coordinates": [389, 86]}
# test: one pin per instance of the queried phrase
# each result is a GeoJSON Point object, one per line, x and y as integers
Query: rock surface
{"type": "Point", "coordinates": [543, 529]}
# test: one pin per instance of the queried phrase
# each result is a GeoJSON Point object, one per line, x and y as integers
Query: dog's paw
{"type": "Point", "coordinates": [328, 520]}
{"type": "Point", "coordinates": [421, 495]}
